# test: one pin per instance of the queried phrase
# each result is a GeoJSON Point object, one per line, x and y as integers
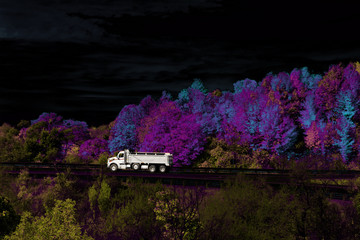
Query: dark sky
{"type": "Point", "coordinates": [86, 59]}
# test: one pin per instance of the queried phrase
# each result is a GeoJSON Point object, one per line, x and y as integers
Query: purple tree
{"type": "Point", "coordinates": [277, 133]}
{"type": "Point", "coordinates": [75, 132]}
{"type": "Point", "coordinates": [51, 119]}
{"type": "Point", "coordinates": [168, 129]}
{"type": "Point", "coordinates": [329, 86]}
{"type": "Point", "coordinates": [308, 115]}
{"type": "Point", "coordinates": [123, 133]}
{"type": "Point", "coordinates": [91, 149]}
{"type": "Point", "coordinates": [246, 84]}
{"type": "Point", "coordinates": [247, 107]}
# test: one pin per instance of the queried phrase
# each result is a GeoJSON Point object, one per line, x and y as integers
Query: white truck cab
{"type": "Point", "coordinates": [151, 161]}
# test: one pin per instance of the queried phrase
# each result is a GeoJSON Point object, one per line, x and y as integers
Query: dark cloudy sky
{"type": "Point", "coordinates": [86, 59]}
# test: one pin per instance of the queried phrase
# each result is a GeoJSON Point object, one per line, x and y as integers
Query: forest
{"type": "Point", "coordinates": [298, 121]}
{"type": "Point", "coordinates": [286, 118]}
{"type": "Point", "coordinates": [69, 207]}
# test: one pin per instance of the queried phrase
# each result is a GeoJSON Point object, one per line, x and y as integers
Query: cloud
{"type": "Point", "coordinates": [59, 20]}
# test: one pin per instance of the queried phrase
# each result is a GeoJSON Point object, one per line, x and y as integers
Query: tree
{"type": "Point", "coordinates": [246, 84]}
{"type": "Point", "coordinates": [51, 119]}
{"type": "Point", "coordinates": [245, 209]}
{"type": "Point", "coordinates": [196, 100]}
{"type": "Point", "coordinates": [344, 141]}
{"type": "Point", "coordinates": [218, 153]}
{"type": "Point", "coordinates": [123, 133]}
{"type": "Point", "coordinates": [132, 215]}
{"type": "Point", "coordinates": [11, 148]}
{"type": "Point", "coordinates": [91, 149]}
{"type": "Point", "coordinates": [8, 217]}
{"type": "Point", "coordinates": [178, 213]}
{"type": "Point", "coordinates": [42, 143]}
{"type": "Point", "coordinates": [50, 137]}
{"type": "Point", "coordinates": [184, 98]}
{"type": "Point", "coordinates": [278, 133]}
{"type": "Point", "coordinates": [308, 115]}
{"type": "Point", "coordinates": [320, 137]}
{"type": "Point", "coordinates": [168, 129]}
{"type": "Point", "coordinates": [247, 109]}
{"type": "Point", "coordinates": [329, 86]}
{"type": "Point", "coordinates": [310, 80]}
{"type": "Point", "coordinates": [75, 133]}
{"type": "Point", "coordinates": [57, 223]}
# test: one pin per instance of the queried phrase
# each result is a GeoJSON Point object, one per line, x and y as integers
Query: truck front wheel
{"type": "Point", "coordinates": [152, 168]}
{"type": "Point", "coordinates": [162, 168]}
{"type": "Point", "coordinates": [113, 167]}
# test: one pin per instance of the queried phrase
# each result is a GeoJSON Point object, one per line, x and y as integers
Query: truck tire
{"type": "Point", "coordinates": [162, 168]}
{"type": "Point", "coordinates": [152, 168]}
{"type": "Point", "coordinates": [113, 167]}
{"type": "Point", "coordinates": [136, 166]}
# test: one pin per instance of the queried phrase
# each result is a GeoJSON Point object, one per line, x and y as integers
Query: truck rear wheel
{"type": "Point", "coordinates": [113, 167]}
{"type": "Point", "coordinates": [162, 168]}
{"type": "Point", "coordinates": [136, 166]}
{"type": "Point", "coordinates": [152, 168]}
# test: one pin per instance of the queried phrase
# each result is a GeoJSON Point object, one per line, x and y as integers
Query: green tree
{"type": "Point", "coordinates": [218, 153]}
{"type": "Point", "coordinates": [57, 223]}
{"type": "Point", "coordinates": [132, 215]}
{"type": "Point", "coordinates": [42, 144]}
{"type": "Point", "coordinates": [24, 190]}
{"type": "Point", "coordinates": [8, 217]}
{"type": "Point", "coordinates": [11, 149]}
{"type": "Point", "coordinates": [248, 210]}
{"type": "Point", "coordinates": [104, 197]}
{"type": "Point", "coordinates": [178, 212]}
{"type": "Point", "coordinates": [59, 188]}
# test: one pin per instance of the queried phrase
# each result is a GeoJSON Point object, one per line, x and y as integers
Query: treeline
{"type": "Point", "coordinates": [64, 207]}
{"type": "Point", "coordinates": [295, 116]}
{"type": "Point", "coordinates": [285, 118]}
{"type": "Point", "coordinates": [51, 139]}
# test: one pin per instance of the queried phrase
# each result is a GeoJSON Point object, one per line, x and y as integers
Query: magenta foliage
{"type": "Point", "coordinates": [171, 130]}
{"type": "Point", "coordinates": [75, 131]}
{"type": "Point", "coordinates": [246, 84]}
{"type": "Point", "coordinates": [329, 86]}
{"type": "Point", "coordinates": [123, 133]}
{"type": "Point", "coordinates": [92, 148]}
{"type": "Point", "coordinates": [202, 105]}
{"type": "Point", "coordinates": [308, 115]}
{"type": "Point", "coordinates": [246, 120]}
{"type": "Point", "coordinates": [284, 109]}
{"type": "Point", "coordinates": [351, 81]}
{"type": "Point", "coordinates": [147, 104]}
{"type": "Point", "coordinates": [309, 80]}
{"type": "Point", "coordinates": [277, 133]}
{"type": "Point", "coordinates": [52, 120]}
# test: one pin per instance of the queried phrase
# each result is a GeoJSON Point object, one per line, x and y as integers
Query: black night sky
{"type": "Point", "coordinates": [86, 59]}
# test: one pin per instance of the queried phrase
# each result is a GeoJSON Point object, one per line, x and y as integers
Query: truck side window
{"type": "Point", "coordinates": [121, 155]}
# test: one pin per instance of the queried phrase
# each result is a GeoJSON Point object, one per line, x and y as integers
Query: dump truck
{"type": "Point", "coordinates": [151, 161]}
